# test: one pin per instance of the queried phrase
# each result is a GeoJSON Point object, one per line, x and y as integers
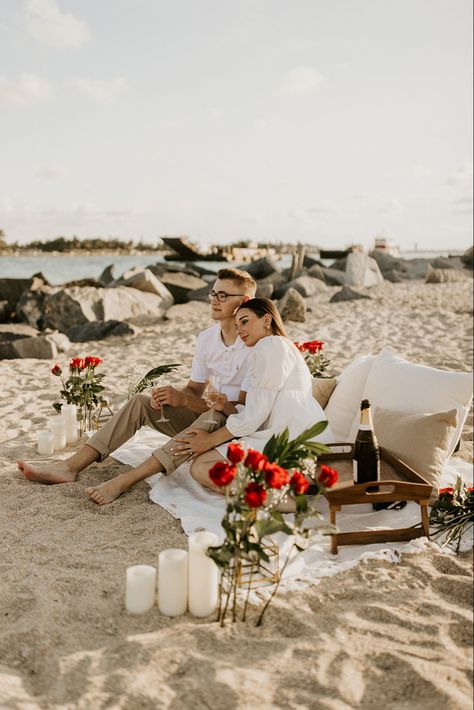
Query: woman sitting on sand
{"type": "Point", "coordinates": [280, 394]}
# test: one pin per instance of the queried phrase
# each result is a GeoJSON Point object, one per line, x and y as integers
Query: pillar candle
{"type": "Point", "coordinates": [69, 412]}
{"type": "Point", "coordinates": [173, 582]}
{"type": "Point", "coordinates": [203, 575]}
{"type": "Point", "coordinates": [45, 443]}
{"type": "Point", "coordinates": [140, 588]}
{"type": "Point", "coordinates": [58, 427]}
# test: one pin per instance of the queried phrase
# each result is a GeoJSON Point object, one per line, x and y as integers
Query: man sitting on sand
{"type": "Point", "coordinates": [218, 352]}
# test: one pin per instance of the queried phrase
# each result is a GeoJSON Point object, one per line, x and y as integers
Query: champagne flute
{"type": "Point", "coordinates": [162, 382]}
{"type": "Point", "coordinates": [213, 389]}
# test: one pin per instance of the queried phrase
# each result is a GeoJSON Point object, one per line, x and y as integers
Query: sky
{"type": "Point", "coordinates": [327, 122]}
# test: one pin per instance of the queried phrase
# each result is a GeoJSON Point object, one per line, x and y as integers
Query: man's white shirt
{"type": "Point", "coordinates": [230, 363]}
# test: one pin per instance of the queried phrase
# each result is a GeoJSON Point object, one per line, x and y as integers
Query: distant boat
{"type": "Point", "coordinates": [385, 246]}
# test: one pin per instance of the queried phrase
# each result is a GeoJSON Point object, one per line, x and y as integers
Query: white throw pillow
{"type": "Point", "coordinates": [346, 398]}
{"type": "Point", "coordinates": [396, 384]}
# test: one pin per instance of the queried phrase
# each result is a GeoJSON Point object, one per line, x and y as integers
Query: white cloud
{"type": "Point", "coordinates": [54, 28]}
{"type": "Point", "coordinates": [390, 206]}
{"type": "Point", "coordinates": [463, 204]}
{"type": "Point", "coordinates": [300, 81]}
{"type": "Point", "coordinates": [102, 91]}
{"type": "Point", "coordinates": [51, 172]}
{"type": "Point", "coordinates": [461, 176]}
{"type": "Point", "coordinates": [26, 90]}
{"type": "Point", "coordinates": [421, 171]}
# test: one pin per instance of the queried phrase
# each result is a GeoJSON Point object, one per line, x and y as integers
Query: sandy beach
{"type": "Point", "coordinates": [397, 636]}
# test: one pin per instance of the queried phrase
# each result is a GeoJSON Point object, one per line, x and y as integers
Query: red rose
{"type": "Point", "coordinates": [299, 483]}
{"type": "Point", "coordinates": [299, 346]}
{"type": "Point", "coordinates": [92, 361]}
{"type": "Point", "coordinates": [255, 495]}
{"type": "Point", "coordinates": [328, 476]}
{"type": "Point", "coordinates": [276, 476]}
{"type": "Point", "coordinates": [255, 460]}
{"type": "Point", "coordinates": [235, 453]}
{"type": "Point", "coordinates": [56, 370]}
{"type": "Point", "coordinates": [222, 473]}
{"type": "Point", "coordinates": [445, 492]}
{"type": "Point", "coordinates": [77, 363]}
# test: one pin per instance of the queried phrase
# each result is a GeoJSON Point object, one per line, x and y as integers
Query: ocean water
{"type": "Point", "coordinates": [60, 268]}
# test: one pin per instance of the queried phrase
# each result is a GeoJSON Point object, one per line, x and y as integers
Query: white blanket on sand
{"type": "Point", "coordinates": [197, 508]}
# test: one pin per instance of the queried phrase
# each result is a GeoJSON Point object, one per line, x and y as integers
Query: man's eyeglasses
{"type": "Point", "coordinates": [221, 296]}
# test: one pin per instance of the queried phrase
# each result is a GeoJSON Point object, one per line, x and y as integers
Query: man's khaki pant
{"type": "Point", "coordinates": [137, 413]}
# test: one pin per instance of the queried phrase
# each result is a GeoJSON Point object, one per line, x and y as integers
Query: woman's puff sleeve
{"type": "Point", "coordinates": [273, 361]}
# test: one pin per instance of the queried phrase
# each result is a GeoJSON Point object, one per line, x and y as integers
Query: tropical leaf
{"type": "Point", "coordinates": [153, 375]}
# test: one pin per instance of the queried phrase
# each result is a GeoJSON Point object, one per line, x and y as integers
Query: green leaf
{"type": "Point", "coordinates": [154, 374]}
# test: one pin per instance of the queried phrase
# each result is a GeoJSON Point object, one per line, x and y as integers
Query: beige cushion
{"type": "Point", "coordinates": [323, 389]}
{"type": "Point", "coordinates": [420, 440]}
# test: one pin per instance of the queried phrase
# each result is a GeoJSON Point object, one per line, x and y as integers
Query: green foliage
{"type": "Point", "coordinates": [153, 375]}
{"type": "Point", "coordinates": [289, 454]}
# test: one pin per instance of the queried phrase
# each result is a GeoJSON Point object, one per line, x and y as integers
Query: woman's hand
{"type": "Point", "coordinates": [193, 442]}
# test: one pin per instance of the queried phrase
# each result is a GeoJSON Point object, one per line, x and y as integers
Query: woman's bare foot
{"type": "Point", "coordinates": [107, 492]}
{"type": "Point", "coordinates": [58, 472]}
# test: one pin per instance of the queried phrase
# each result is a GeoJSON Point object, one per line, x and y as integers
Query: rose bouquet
{"type": "Point", "coordinates": [81, 388]}
{"type": "Point", "coordinates": [453, 513]}
{"type": "Point", "coordinates": [312, 351]}
{"type": "Point", "coordinates": [256, 484]}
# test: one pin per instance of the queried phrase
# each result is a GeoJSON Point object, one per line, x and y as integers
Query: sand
{"type": "Point", "coordinates": [381, 635]}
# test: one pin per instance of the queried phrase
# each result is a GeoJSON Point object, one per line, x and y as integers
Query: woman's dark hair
{"type": "Point", "coordinates": [262, 307]}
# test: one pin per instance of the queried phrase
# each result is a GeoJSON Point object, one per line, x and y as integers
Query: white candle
{"type": "Point", "coordinates": [58, 427]}
{"type": "Point", "coordinates": [69, 412]}
{"type": "Point", "coordinates": [45, 443]}
{"type": "Point", "coordinates": [173, 582]}
{"type": "Point", "coordinates": [203, 575]}
{"type": "Point", "coordinates": [140, 588]}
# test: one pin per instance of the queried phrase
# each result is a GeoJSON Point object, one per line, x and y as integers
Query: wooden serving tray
{"type": "Point", "coordinates": [397, 482]}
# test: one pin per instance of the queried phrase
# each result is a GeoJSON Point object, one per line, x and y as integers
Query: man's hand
{"type": "Point", "coordinates": [167, 395]}
{"type": "Point", "coordinates": [220, 402]}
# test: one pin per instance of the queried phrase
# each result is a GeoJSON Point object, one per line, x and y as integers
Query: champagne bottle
{"type": "Point", "coordinates": [366, 449]}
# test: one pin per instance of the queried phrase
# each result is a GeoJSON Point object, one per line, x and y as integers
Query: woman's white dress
{"type": "Point", "coordinates": [279, 396]}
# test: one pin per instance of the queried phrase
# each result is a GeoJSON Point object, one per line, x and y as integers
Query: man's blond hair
{"type": "Point", "coordinates": [245, 281]}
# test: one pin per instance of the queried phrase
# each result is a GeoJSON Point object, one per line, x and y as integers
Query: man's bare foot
{"type": "Point", "coordinates": [107, 492]}
{"type": "Point", "coordinates": [58, 472]}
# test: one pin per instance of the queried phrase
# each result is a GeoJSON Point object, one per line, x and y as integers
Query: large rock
{"type": "Point", "coordinates": [362, 270]}
{"type": "Point", "coordinates": [99, 330]}
{"type": "Point", "coordinates": [292, 306]}
{"type": "Point", "coordinates": [31, 303]}
{"type": "Point", "coordinates": [107, 276]}
{"type": "Point", "coordinates": [316, 271]}
{"type": "Point", "coordinates": [450, 262]}
{"type": "Point", "coordinates": [60, 340]}
{"type": "Point", "coordinates": [15, 331]}
{"type": "Point", "coordinates": [305, 285]}
{"type": "Point", "coordinates": [264, 290]}
{"type": "Point", "coordinates": [179, 284]}
{"type": "Point", "coordinates": [38, 347]}
{"type": "Point", "coordinates": [334, 277]}
{"type": "Point", "coordinates": [442, 276]}
{"type": "Point", "coordinates": [347, 294]}
{"type": "Point", "coordinates": [75, 306]}
{"type": "Point", "coordinates": [260, 267]}
{"type": "Point", "coordinates": [200, 294]}
{"type": "Point", "coordinates": [468, 258]}
{"type": "Point", "coordinates": [144, 280]}
{"type": "Point", "coordinates": [10, 291]}
{"type": "Point", "coordinates": [386, 262]}
{"type": "Point", "coordinates": [160, 269]}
